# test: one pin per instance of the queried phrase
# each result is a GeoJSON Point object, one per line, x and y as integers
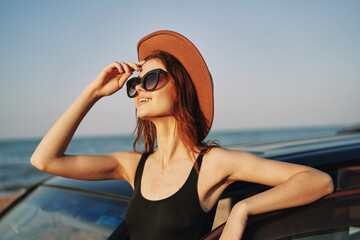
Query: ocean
{"type": "Point", "coordinates": [17, 174]}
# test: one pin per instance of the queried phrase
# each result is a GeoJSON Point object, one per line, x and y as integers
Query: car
{"type": "Point", "coordinates": [61, 208]}
{"type": "Point", "coordinates": [336, 216]}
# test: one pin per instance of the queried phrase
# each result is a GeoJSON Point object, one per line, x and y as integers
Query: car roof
{"type": "Point", "coordinates": [330, 154]}
{"type": "Point", "coordinates": [112, 188]}
{"type": "Point", "coordinates": [272, 149]}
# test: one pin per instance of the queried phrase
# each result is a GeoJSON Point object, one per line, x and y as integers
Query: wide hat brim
{"type": "Point", "coordinates": [190, 57]}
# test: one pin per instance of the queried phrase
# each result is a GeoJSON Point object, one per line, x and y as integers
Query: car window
{"type": "Point", "coordinates": [345, 233]}
{"type": "Point", "coordinates": [52, 213]}
{"type": "Point", "coordinates": [328, 219]}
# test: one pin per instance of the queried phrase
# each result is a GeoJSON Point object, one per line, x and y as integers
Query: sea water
{"type": "Point", "coordinates": [17, 174]}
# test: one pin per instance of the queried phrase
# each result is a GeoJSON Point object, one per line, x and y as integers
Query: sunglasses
{"type": "Point", "coordinates": [149, 82]}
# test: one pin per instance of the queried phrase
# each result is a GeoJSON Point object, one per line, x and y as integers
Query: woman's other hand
{"type": "Point", "coordinates": [113, 77]}
{"type": "Point", "coordinates": [236, 223]}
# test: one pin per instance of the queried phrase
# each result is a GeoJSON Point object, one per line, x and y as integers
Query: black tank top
{"type": "Point", "coordinates": [179, 216]}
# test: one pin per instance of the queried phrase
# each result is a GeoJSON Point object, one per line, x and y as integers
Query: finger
{"type": "Point", "coordinates": [111, 67]}
{"type": "Point", "coordinates": [141, 62]}
{"type": "Point", "coordinates": [119, 67]}
{"type": "Point", "coordinates": [126, 67]}
{"type": "Point", "coordinates": [123, 78]}
{"type": "Point", "coordinates": [134, 66]}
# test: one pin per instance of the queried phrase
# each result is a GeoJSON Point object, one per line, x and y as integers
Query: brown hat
{"type": "Point", "coordinates": [190, 57]}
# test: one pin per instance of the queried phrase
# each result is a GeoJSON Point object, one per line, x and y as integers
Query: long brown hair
{"type": "Point", "coordinates": [191, 123]}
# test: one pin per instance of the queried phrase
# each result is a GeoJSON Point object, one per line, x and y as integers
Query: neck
{"type": "Point", "coordinates": [170, 146]}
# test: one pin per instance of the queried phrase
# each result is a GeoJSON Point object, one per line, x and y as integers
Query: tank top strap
{"type": "Point", "coordinates": [140, 169]}
{"type": "Point", "coordinates": [199, 160]}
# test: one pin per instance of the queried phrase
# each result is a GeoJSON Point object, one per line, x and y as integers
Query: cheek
{"type": "Point", "coordinates": [172, 92]}
{"type": "Point", "coordinates": [172, 95]}
{"type": "Point", "coordinates": [166, 101]}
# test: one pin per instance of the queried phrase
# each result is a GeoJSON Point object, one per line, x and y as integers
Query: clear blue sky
{"type": "Point", "coordinates": [274, 63]}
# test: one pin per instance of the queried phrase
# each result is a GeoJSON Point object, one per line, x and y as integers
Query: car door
{"type": "Point", "coordinates": [334, 217]}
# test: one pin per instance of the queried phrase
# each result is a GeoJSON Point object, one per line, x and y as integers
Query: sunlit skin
{"type": "Point", "coordinates": [168, 167]}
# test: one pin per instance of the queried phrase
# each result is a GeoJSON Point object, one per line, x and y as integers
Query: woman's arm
{"type": "Point", "coordinates": [293, 185]}
{"type": "Point", "coordinates": [50, 156]}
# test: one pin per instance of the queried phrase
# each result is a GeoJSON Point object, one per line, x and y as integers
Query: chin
{"type": "Point", "coordinates": [144, 115]}
{"type": "Point", "coordinates": [153, 116]}
{"type": "Point", "coordinates": [151, 113]}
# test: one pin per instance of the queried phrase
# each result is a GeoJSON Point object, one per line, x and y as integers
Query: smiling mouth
{"type": "Point", "coordinates": [143, 100]}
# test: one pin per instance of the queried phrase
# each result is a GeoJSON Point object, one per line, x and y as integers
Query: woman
{"type": "Point", "coordinates": [178, 183]}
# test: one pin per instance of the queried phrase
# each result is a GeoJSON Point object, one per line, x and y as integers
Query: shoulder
{"type": "Point", "coordinates": [223, 162]}
{"type": "Point", "coordinates": [226, 156]}
{"type": "Point", "coordinates": [215, 152]}
{"type": "Point", "coordinates": [221, 155]}
{"type": "Point", "coordinates": [216, 162]}
{"type": "Point", "coordinates": [215, 157]}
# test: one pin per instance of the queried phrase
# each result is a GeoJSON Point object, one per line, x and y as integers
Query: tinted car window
{"type": "Point", "coordinates": [332, 218]}
{"type": "Point", "coordinates": [347, 233]}
{"type": "Point", "coordinates": [50, 213]}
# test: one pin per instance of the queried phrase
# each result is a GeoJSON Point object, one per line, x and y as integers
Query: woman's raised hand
{"type": "Point", "coordinates": [50, 155]}
{"type": "Point", "coordinates": [113, 77]}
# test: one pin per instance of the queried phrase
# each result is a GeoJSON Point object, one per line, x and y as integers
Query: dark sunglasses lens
{"type": "Point", "coordinates": [150, 81]}
{"type": "Point", "coordinates": [131, 87]}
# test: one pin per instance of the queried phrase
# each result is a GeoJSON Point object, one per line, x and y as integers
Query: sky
{"type": "Point", "coordinates": [274, 64]}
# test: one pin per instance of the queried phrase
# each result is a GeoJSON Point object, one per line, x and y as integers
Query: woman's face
{"type": "Point", "coordinates": [158, 103]}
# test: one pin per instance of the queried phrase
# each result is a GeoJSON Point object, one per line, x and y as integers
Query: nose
{"type": "Point", "coordinates": [139, 88]}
